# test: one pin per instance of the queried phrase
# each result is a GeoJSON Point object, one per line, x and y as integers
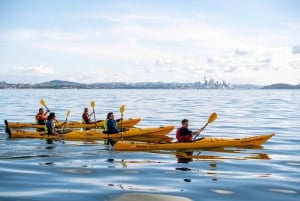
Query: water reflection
{"type": "Point", "coordinates": [218, 154]}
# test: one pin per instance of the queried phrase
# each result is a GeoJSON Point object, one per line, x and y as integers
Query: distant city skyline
{"type": "Point", "coordinates": [245, 42]}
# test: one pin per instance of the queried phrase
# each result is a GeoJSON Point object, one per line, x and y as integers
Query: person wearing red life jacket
{"type": "Point", "coordinates": [41, 117]}
{"type": "Point", "coordinates": [183, 134]}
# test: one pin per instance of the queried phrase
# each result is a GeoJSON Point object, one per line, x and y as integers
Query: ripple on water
{"type": "Point", "coordinates": [35, 170]}
{"type": "Point", "coordinates": [280, 190]}
{"type": "Point", "coordinates": [148, 197]}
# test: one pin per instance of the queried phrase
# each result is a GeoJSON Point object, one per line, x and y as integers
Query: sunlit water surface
{"type": "Point", "coordinates": [31, 169]}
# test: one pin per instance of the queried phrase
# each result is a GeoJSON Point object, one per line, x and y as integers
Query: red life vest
{"type": "Point", "coordinates": [181, 138]}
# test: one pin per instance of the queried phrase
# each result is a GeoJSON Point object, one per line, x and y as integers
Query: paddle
{"type": "Point", "coordinates": [67, 115]}
{"type": "Point", "coordinates": [43, 103]}
{"type": "Point", "coordinates": [122, 109]}
{"type": "Point", "coordinates": [93, 106]}
{"type": "Point", "coordinates": [211, 118]}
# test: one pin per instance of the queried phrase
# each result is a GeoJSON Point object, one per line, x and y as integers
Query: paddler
{"type": "Point", "coordinates": [41, 117]}
{"type": "Point", "coordinates": [86, 117]}
{"type": "Point", "coordinates": [110, 124]}
{"type": "Point", "coordinates": [183, 134]}
{"type": "Point", "coordinates": [110, 127]}
{"type": "Point", "coordinates": [50, 125]}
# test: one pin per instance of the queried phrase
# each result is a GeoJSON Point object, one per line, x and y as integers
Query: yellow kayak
{"type": "Point", "coordinates": [151, 138]}
{"type": "Point", "coordinates": [92, 134]}
{"type": "Point", "coordinates": [126, 123]}
{"type": "Point", "coordinates": [205, 142]}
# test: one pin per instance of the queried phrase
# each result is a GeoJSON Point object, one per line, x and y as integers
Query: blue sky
{"type": "Point", "coordinates": [255, 41]}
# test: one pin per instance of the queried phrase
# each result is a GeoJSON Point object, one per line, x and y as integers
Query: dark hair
{"type": "Point", "coordinates": [108, 115]}
{"type": "Point", "coordinates": [41, 109]}
{"type": "Point", "coordinates": [51, 115]}
{"type": "Point", "coordinates": [184, 120]}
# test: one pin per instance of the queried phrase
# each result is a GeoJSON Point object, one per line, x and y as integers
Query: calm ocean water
{"type": "Point", "coordinates": [31, 169]}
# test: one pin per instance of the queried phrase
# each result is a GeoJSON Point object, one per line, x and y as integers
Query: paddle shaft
{"type": "Point", "coordinates": [46, 107]}
{"type": "Point", "coordinates": [200, 129]}
{"type": "Point", "coordinates": [95, 117]}
{"type": "Point", "coordinates": [122, 126]}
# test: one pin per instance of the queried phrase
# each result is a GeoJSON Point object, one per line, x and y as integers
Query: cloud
{"type": "Point", "coordinates": [36, 71]}
{"type": "Point", "coordinates": [296, 49]}
{"type": "Point", "coordinates": [171, 48]}
{"type": "Point", "coordinates": [241, 52]}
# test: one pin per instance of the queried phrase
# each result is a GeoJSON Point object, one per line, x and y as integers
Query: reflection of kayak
{"type": "Point", "coordinates": [126, 123]}
{"type": "Point", "coordinates": [202, 143]}
{"type": "Point", "coordinates": [189, 156]}
{"type": "Point", "coordinates": [92, 134]}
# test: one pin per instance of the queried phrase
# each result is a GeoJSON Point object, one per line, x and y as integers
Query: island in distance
{"type": "Point", "coordinates": [281, 86]}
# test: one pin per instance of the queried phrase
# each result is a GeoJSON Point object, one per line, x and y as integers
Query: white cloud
{"type": "Point", "coordinates": [296, 49]}
{"type": "Point", "coordinates": [36, 71]}
{"type": "Point", "coordinates": [168, 48]}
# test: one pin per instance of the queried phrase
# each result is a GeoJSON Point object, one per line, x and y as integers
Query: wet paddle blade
{"type": "Point", "coordinates": [92, 104]}
{"type": "Point", "coordinates": [122, 109]}
{"type": "Point", "coordinates": [42, 102]}
{"type": "Point", "coordinates": [68, 114]}
{"type": "Point", "coordinates": [212, 117]}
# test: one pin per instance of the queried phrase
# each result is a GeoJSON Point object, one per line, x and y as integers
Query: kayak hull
{"type": "Point", "coordinates": [205, 142]}
{"type": "Point", "coordinates": [92, 134]}
{"type": "Point", "coordinates": [126, 123]}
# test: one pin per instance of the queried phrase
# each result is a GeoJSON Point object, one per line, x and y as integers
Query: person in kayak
{"type": "Point", "coordinates": [183, 134]}
{"type": "Point", "coordinates": [86, 117]}
{"type": "Point", "coordinates": [110, 124]}
{"type": "Point", "coordinates": [50, 125]}
{"type": "Point", "coordinates": [41, 117]}
{"type": "Point", "coordinates": [110, 127]}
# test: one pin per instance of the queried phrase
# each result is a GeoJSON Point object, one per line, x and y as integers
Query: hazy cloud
{"type": "Point", "coordinates": [38, 70]}
{"type": "Point", "coordinates": [241, 52]}
{"type": "Point", "coordinates": [296, 49]}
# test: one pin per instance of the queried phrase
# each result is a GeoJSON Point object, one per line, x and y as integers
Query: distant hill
{"type": "Point", "coordinates": [59, 84]}
{"type": "Point", "coordinates": [281, 86]}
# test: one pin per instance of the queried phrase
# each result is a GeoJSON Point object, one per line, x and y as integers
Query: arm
{"type": "Point", "coordinates": [53, 132]}
{"type": "Point", "coordinates": [197, 132]}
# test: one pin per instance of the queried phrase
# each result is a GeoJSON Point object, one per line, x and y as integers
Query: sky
{"type": "Point", "coordinates": [89, 41]}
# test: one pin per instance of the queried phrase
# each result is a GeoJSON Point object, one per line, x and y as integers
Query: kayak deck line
{"type": "Point", "coordinates": [126, 123]}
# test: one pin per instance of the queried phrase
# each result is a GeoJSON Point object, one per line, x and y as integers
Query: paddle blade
{"type": "Point", "coordinates": [122, 109]}
{"type": "Point", "coordinates": [212, 117]}
{"type": "Point", "coordinates": [68, 113]}
{"type": "Point", "coordinates": [92, 104]}
{"type": "Point", "coordinates": [42, 102]}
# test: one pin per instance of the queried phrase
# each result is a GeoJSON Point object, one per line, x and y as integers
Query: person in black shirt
{"type": "Point", "coordinates": [183, 134]}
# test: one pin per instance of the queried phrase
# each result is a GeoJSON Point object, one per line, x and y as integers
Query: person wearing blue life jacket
{"type": "Point", "coordinates": [50, 128]}
{"type": "Point", "coordinates": [183, 134]}
{"type": "Point", "coordinates": [110, 124]}
{"type": "Point", "coordinates": [50, 125]}
{"type": "Point", "coordinates": [110, 127]}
